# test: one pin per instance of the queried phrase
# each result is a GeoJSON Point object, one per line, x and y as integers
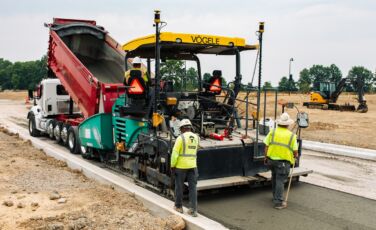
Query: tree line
{"type": "Point", "coordinates": [26, 75]}
{"type": "Point", "coordinates": [22, 75]}
{"type": "Point", "coordinates": [310, 77]}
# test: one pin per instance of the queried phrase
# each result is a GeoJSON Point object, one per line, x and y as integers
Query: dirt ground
{"type": "Point", "coordinates": [13, 95]}
{"type": "Point", "coordinates": [329, 126]}
{"type": "Point", "coordinates": [39, 192]}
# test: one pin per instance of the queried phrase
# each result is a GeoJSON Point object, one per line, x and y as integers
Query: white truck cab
{"type": "Point", "coordinates": [51, 101]}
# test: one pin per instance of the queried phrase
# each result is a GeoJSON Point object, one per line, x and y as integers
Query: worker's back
{"type": "Point", "coordinates": [281, 143]}
{"type": "Point", "coordinates": [186, 146]}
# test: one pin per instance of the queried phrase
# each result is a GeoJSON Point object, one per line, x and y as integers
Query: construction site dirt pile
{"type": "Point", "coordinates": [40, 192]}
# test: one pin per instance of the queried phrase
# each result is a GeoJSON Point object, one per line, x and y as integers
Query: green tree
{"type": "Point", "coordinates": [317, 74]}
{"type": "Point", "coordinates": [335, 74]}
{"type": "Point", "coordinates": [365, 75]}
{"type": "Point", "coordinates": [283, 85]}
{"type": "Point", "coordinates": [173, 70]}
{"type": "Point", "coordinates": [5, 74]}
{"type": "Point", "coordinates": [22, 75]}
{"type": "Point", "coordinates": [267, 85]}
{"type": "Point", "coordinates": [191, 79]}
{"type": "Point", "coordinates": [206, 77]}
{"type": "Point", "coordinates": [305, 81]}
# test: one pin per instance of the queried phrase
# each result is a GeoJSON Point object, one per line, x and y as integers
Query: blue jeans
{"type": "Point", "coordinates": [191, 175]}
{"type": "Point", "coordinates": [280, 173]}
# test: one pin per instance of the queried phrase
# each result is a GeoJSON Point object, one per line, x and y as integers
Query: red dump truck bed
{"type": "Point", "coordinates": [88, 62]}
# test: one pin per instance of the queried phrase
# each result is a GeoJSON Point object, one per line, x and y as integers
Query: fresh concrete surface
{"type": "Point", "coordinates": [158, 205]}
{"type": "Point", "coordinates": [347, 174]}
{"type": "Point", "coordinates": [341, 150]}
{"type": "Point", "coordinates": [309, 207]}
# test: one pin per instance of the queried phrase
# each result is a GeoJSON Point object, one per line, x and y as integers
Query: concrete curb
{"type": "Point", "coordinates": [342, 150]}
{"type": "Point", "coordinates": [158, 205]}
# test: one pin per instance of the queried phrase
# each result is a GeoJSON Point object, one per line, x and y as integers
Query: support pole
{"type": "Point", "coordinates": [149, 69]}
{"type": "Point", "coordinates": [260, 33]}
{"type": "Point", "coordinates": [246, 113]}
{"type": "Point", "coordinates": [264, 110]}
{"type": "Point", "coordinates": [157, 21]}
{"type": "Point", "coordinates": [275, 107]}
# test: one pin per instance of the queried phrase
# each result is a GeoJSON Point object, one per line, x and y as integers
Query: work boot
{"type": "Point", "coordinates": [280, 206]}
{"type": "Point", "coordinates": [191, 212]}
{"type": "Point", "coordinates": [178, 209]}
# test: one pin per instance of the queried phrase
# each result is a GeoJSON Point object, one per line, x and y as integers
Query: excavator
{"type": "Point", "coordinates": [327, 96]}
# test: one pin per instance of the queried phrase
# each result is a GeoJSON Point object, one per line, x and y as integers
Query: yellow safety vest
{"type": "Point", "coordinates": [143, 72]}
{"type": "Point", "coordinates": [184, 153]}
{"type": "Point", "coordinates": [282, 143]}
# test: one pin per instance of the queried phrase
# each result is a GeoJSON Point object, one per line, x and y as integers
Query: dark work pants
{"type": "Point", "coordinates": [191, 175]}
{"type": "Point", "coordinates": [280, 173]}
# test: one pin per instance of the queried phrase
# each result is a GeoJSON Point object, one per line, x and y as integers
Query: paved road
{"type": "Point", "coordinates": [310, 207]}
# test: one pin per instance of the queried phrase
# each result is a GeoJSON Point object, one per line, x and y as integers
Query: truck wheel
{"type": "Point", "coordinates": [85, 152]}
{"type": "Point", "coordinates": [64, 134]}
{"type": "Point", "coordinates": [32, 127]}
{"type": "Point", "coordinates": [50, 129]}
{"type": "Point", "coordinates": [57, 131]}
{"type": "Point", "coordinates": [73, 143]}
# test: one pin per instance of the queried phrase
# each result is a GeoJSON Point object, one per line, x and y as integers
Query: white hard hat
{"type": "Point", "coordinates": [185, 122]}
{"type": "Point", "coordinates": [136, 60]}
{"type": "Point", "coordinates": [284, 119]}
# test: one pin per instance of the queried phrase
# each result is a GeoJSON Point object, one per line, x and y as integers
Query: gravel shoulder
{"type": "Point", "coordinates": [40, 192]}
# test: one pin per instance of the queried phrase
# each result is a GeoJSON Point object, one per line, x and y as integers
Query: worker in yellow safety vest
{"type": "Point", "coordinates": [136, 65]}
{"type": "Point", "coordinates": [281, 149]}
{"type": "Point", "coordinates": [184, 165]}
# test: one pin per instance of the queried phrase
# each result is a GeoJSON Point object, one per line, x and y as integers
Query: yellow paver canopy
{"type": "Point", "coordinates": [182, 46]}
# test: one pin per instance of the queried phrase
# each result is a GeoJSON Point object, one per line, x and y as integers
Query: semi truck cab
{"type": "Point", "coordinates": [52, 98]}
{"type": "Point", "coordinates": [50, 102]}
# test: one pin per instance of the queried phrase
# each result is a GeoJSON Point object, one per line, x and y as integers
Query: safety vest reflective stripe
{"type": "Point", "coordinates": [282, 144]}
{"type": "Point", "coordinates": [184, 148]}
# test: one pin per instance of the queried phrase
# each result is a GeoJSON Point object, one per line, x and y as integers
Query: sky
{"type": "Point", "coordinates": [340, 32]}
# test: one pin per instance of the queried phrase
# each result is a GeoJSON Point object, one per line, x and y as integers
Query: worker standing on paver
{"type": "Point", "coordinates": [280, 152]}
{"type": "Point", "coordinates": [184, 165]}
{"type": "Point", "coordinates": [136, 65]}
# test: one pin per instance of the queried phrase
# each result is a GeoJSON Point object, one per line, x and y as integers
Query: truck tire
{"type": "Point", "coordinates": [57, 131]}
{"type": "Point", "coordinates": [64, 134]}
{"type": "Point", "coordinates": [50, 129]}
{"type": "Point", "coordinates": [85, 152]}
{"type": "Point", "coordinates": [32, 127]}
{"type": "Point", "coordinates": [73, 141]}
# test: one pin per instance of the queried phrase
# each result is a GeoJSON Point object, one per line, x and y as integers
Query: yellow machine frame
{"type": "Point", "coordinates": [316, 97]}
